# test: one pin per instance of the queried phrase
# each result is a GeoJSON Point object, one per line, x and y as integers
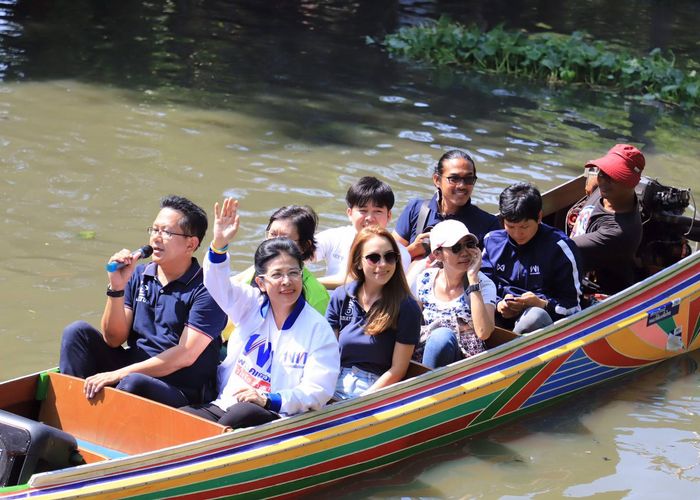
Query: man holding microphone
{"type": "Point", "coordinates": [161, 310]}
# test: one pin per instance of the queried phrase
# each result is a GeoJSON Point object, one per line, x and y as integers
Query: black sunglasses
{"type": "Point", "coordinates": [457, 247]}
{"type": "Point", "coordinates": [389, 258]}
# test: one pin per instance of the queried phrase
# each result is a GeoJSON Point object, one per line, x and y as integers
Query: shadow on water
{"type": "Point", "coordinates": [497, 447]}
{"type": "Point", "coordinates": [305, 66]}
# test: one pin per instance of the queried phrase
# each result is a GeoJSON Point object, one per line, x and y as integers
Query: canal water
{"type": "Point", "coordinates": [107, 106]}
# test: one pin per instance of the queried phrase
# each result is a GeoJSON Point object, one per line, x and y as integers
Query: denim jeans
{"type": "Point", "coordinates": [353, 382]}
{"type": "Point", "coordinates": [441, 348]}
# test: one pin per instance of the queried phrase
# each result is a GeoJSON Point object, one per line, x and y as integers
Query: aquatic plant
{"type": "Point", "coordinates": [556, 58]}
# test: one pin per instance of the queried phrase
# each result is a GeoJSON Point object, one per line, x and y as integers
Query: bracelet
{"type": "Point", "coordinates": [220, 251]}
{"type": "Point", "coordinates": [114, 293]}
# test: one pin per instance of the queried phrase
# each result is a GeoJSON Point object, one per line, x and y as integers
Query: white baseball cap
{"type": "Point", "coordinates": [447, 233]}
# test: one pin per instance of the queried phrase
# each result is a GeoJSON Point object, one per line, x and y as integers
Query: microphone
{"type": "Point", "coordinates": [142, 253]}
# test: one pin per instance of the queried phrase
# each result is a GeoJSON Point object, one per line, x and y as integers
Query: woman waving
{"type": "Point", "coordinates": [284, 358]}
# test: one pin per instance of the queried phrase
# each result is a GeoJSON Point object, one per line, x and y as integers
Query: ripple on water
{"type": "Point", "coordinates": [521, 142]}
{"type": "Point", "coordinates": [491, 153]}
{"type": "Point", "coordinates": [425, 159]}
{"type": "Point", "coordinates": [313, 193]}
{"type": "Point", "coordinates": [456, 136]}
{"type": "Point", "coordinates": [392, 99]}
{"type": "Point", "coordinates": [443, 127]}
{"type": "Point", "coordinates": [421, 104]}
{"type": "Point", "coordinates": [137, 153]}
{"type": "Point", "coordinates": [235, 193]}
{"type": "Point", "coordinates": [530, 171]}
{"type": "Point", "coordinates": [273, 170]}
{"type": "Point", "coordinates": [237, 147]}
{"type": "Point", "coordinates": [418, 136]}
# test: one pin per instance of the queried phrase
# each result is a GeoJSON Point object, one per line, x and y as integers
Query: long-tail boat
{"type": "Point", "coordinates": [54, 443]}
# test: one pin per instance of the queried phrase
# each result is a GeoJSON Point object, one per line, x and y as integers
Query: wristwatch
{"type": "Point", "coordinates": [267, 402]}
{"type": "Point", "coordinates": [114, 293]}
{"type": "Point", "coordinates": [473, 288]}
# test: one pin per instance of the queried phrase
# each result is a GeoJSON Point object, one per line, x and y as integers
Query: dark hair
{"type": "Point", "coordinates": [370, 190]}
{"type": "Point", "coordinates": [194, 218]}
{"type": "Point", "coordinates": [384, 313]}
{"type": "Point", "coordinates": [453, 154]}
{"type": "Point", "coordinates": [518, 202]}
{"type": "Point", "coordinates": [305, 220]}
{"type": "Point", "coordinates": [272, 248]}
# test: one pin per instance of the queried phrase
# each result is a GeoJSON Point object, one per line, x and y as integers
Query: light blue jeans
{"type": "Point", "coordinates": [441, 348]}
{"type": "Point", "coordinates": [352, 382]}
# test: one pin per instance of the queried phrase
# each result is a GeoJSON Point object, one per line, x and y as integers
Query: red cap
{"type": "Point", "coordinates": [623, 163]}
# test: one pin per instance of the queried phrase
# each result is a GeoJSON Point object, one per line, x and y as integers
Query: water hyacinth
{"type": "Point", "coordinates": [555, 58]}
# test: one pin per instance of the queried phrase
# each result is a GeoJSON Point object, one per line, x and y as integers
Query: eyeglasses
{"type": "Point", "coordinates": [279, 235]}
{"type": "Point", "coordinates": [277, 276]}
{"type": "Point", "coordinates": [460, 245]}
{"type": "Point", "coordinates": [165, 234]}
{"type": "Point", "coordinates": [456, 180]}
{"type": "Point", "coordinates": [389, 257]}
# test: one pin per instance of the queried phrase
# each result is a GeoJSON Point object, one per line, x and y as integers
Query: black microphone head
{"type": "Point", "coordinates": [146, 251]}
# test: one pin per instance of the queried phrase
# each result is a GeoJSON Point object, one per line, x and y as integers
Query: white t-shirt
{"type": "Point", "coordinates": [333, 246]}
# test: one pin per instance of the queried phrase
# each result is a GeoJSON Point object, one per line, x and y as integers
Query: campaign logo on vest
{"type": "Point", "coordinates": [254, 362]}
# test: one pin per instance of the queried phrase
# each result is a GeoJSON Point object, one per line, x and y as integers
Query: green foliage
{"type": "Point", "coordinates": [557, 59]}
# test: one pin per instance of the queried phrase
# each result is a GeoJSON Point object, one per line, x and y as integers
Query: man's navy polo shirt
{"type": "Point", "coordinates": [161, 314]}
{"type": "Point", "coordinates": [478, 221]}
{"type": "Point", "coordinates": [372, 353]}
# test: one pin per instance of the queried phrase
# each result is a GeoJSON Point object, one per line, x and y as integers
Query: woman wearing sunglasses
{"type": "Point", "coordinates": [374, 315]}
{"type": "Point", "coordinates": [284, 358]}
{"type": "Point", "coordinates": [458, 300]}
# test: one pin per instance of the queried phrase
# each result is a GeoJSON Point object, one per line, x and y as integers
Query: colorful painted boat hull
{"type": "Point", "coordinates": [655, 320]}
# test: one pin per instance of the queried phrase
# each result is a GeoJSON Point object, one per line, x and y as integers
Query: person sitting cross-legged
{"type": "Point", "coordinates": [534, 266]}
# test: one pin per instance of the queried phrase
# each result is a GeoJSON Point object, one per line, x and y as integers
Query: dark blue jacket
{"type": "Point", "coordinates": [548, 265]}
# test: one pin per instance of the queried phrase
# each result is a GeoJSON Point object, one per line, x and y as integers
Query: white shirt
{"type": "Point", "coordinates": [333, 246]}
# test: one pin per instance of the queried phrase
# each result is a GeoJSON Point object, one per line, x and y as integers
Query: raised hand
{"type": "Point", "coordinates": [226, 222]}
{"type": "Point", "coordinates": [474, 265]}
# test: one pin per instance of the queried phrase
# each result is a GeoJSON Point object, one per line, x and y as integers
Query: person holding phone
{"type": "Point", "coordinates": [458, 300]}
{"type": "Point", "coordinates": [535, 267]}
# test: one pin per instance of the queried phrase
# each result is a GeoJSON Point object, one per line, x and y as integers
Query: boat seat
{"type": "Point", "coordinates": [500, 336]}
{"type": "Point", "coordinates": [415, 368]}
{"type": "Point", "coordinates": [116, 422]}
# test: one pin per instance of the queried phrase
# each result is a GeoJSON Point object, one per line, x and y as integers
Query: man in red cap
{"type": "Point", "coordinates": [608, 228]}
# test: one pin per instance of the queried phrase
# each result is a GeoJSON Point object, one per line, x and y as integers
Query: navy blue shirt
{"type": "Point", "coordinates": [478, 221]}
{"type": "Point", "coordinates": [548, 265]}
{"type": "Point", "coordinates": [372, 353]}
{"type": "Point", "coordinates": [161, 314]}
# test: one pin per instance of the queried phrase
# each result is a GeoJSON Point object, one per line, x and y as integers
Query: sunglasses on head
{"type": "Point", "coordinates": [389, 258]}
{"type": "Point", "coordinates": [460, 245]}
